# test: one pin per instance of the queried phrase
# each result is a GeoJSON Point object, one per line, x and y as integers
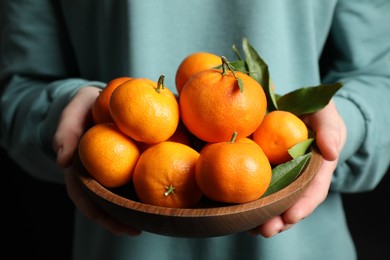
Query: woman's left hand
{"type": "Point", "coordinates": [331, 134]}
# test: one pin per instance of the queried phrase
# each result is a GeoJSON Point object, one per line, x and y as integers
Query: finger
{"type": "Point", "coordinates": [73, 121]}
{"type": "Point", "coordinates": [269, 228]}
{"type": "Point", "coordinates": [313, 196]}
{"type": "Point", "coordinates": [330, 131]}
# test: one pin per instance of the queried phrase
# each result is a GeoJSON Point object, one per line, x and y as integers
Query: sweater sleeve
{"type": "Point", "coordinates": [38, 77]}
{"type": "Point", "coordinates": [360, 37]}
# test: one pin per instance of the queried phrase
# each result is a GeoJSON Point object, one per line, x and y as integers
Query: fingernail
{"type": "Point", "coordinates": [287, 227]}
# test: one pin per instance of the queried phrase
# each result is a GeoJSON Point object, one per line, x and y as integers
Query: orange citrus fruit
{"type": "Point", "coordinates": [108, 155]}
{"type": "Point", "coordinates": [145, 110]}
{"type": "Point", "coordinates": [279, 131]}
{"type": "Point", "coordinates": [233, 172]}
{"type": "Point", "coordinates": [181, 135]}
{"type": "Point", "coordinates": [194, 63]}
{"type": "Point", "coordinates": [165, 176]}
{"type": "Point", "coordinates": [100, 108]}
{"type": "Point", "coordinates": [213, 106]}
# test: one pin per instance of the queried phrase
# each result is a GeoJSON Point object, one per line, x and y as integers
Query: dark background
{"type": "Point", "coordinates": [39, 226]}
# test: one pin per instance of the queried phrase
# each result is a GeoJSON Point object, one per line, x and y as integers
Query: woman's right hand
{"type": "Point", "coordinates": [74, 121]}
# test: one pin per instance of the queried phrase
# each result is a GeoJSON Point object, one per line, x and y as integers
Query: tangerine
{"type": "Point", "coordinates": [181, 135]}
{"type": "Point", "coordinates": [279, 131]}
{"type": "Point", "coordinates": [213, 105]}
{"type": "Point", "coordinates": [108, 155]}
{"type": "Point", "coordinates": [165, 176]}
{"type": "Point", "coordinates": [194, 63]}
{"type": "Point", "coordinates": [145, 110]}
{"type": "Point", "coordinates": [100, 108]}
{"type": "Point", "coordinates": [233, 172]}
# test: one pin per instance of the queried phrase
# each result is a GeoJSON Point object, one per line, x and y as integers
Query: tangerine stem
{"type": "Point", "coordinates": [234, 136]}
{"type": "Point", "coordinates": [170, 190]}
{"type": "Point", "coordinates": [226, 65]}
{"type": "Point", "coordinates": [160, 83]}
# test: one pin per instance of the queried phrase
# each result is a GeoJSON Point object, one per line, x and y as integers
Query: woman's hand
{"type": "Point", "coordinates": [330, 138]}
{"type": "Point", "coordinates": [74, 121]}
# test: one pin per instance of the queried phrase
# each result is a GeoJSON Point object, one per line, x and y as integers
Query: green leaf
{"type": "Point", "coordinates": [284, 174]}
{"type": "Point", "coordinates": [300, 148]}
{"type": "Point", "coordinates": [257, 67]}
{"type": "Point", "coordinates": [271, 97]}
{"type": "Point", "coordinates": [307, 100]}
{"type": "Point", "coordinates": [238, 65]}
{"type": "Point", "coordinates": [237, 52]}
{"type": "Point", "coordinates": [258, 70]}
{"type": "Point", "coordinates": [240, 84]}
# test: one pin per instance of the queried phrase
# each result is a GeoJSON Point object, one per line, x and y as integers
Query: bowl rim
{"type": "Point", "coordinates": [298, 184]}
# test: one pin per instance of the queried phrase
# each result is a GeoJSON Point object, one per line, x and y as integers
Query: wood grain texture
{"type": "Point", "coordinates": [209, 219]}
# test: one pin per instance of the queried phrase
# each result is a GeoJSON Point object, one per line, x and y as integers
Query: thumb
{"type": "Point", "coordinates": [330, 131]}
{"type": "Point", "coordinates": [74, 120]}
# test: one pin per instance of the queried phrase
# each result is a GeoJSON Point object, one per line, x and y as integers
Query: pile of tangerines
{"type": "Point", "coordinates": [216, 138]}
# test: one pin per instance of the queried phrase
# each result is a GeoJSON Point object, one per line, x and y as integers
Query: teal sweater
{"type": "Point", "coordinates": [50, 49]}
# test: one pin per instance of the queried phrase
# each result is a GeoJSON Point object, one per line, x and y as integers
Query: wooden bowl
{"type": "Point", "coordinates": [210, 219]}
